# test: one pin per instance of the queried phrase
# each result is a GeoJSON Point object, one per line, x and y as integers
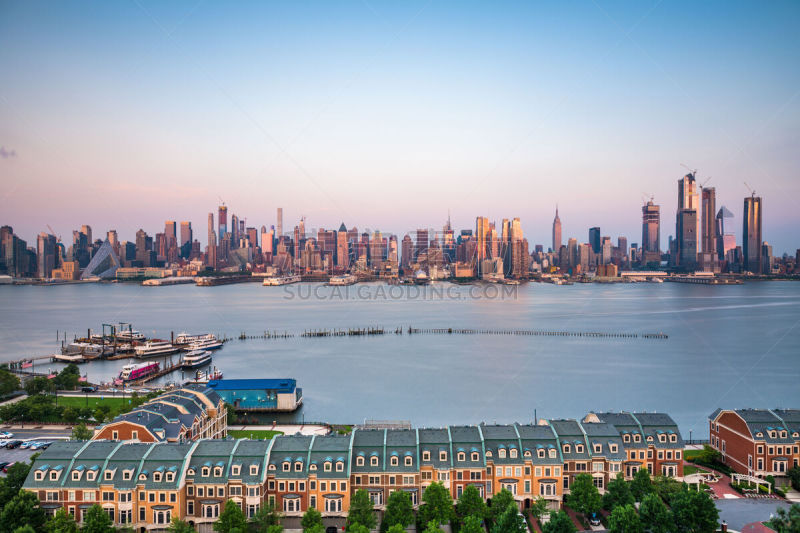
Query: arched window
{"type": "Point", "coordinates": [566, 448]}
{"type": "Point", "coordinates": [409, 460]}
{"type": "Point", "coordinates": [394, 461]}
{"type": "Point", "coordinates": [512, 453]}
{"type": "Point", "coordinates": [327, 466]}
{"type": "Point", "coordinates": [339, 466]}
{"type": "Point", "coordinates": [462, 456]}
{"type": "Point", "coordinates": [359, 461]}
{"type": "Point", "coordinates": [373, 461]}
{"type": "Point", "coordinates": [501, 453]}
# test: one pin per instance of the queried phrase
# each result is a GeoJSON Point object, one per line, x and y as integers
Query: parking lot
{"type": "Point", "coordinates": [40, 434]}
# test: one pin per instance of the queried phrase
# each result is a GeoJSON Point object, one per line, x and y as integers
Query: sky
{"type": "Point", "coordinates": [385, 115]}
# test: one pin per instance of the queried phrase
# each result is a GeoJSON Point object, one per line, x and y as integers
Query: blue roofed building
{"type": "Point", "coordinates": [259, 394]}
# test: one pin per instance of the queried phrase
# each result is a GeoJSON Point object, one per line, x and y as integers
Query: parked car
{"type": "Point", "coordinates": [127, 391]}
{"type": "Point", "coordinates": [3, 464]}
{"type": "Point", "coordinates": [26, 444]}
{"type": "Point", "coordinates": [88, 389]}
{"type": "Point", "coordinates": [9, 465]}
{"type": "Point", "coordinates": [6, 435]}
{"type": "Point", "coordinates": [3, 443]}
{"type": "Point", "coordinates": [594, 519]}
{"type": "Point", "coordinates": [144, 391]}
{"type": "Point", "coordinates": [13, 444]}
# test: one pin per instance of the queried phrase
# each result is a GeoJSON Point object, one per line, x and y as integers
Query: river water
{"type": "Point", "coordinates": [728, 346]}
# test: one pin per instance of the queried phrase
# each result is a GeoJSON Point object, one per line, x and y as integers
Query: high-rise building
{"type": "Point", "coordinates": [481, 234]}
{"type": "Point", "coordinates": [87, 230]}
{"type": "Point", "coordinates": [708, 237]}
{"type": "Point", "coordinates": [211, 255]}
{"type": "Point", "coordinates": [687, 224]}
{"type": "Point", "coordinates": [46, 255]}
{"type": "Point", "coordinates": [170, 232]}
{"type": "Point", "coordinates": [279, 227]}
{"type": "Point", "coordinates": [651, 233]}
{"type": "Point", "coordinates": [186, 232]}
{"type": "Point", "coordinates": [421, 244]}
{"type": "Point", "coordinates": [222, 221]}
{"type": "Point", "coordinates": [722, 238]}
{"type": "Point", "coordinates": [556, 232]}
{"type": "Point", "coordinates": [407, 251]}
{"type": "Point", "coordinates": [234, 230]}
{"type": "Point", "coordinates": [342, 251]}
{"type": "Point", "coordinates": [751, 234]}
{"type": "Point", "coordinates": [594, 240]}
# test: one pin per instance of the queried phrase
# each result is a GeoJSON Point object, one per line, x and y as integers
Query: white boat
{"type": "Point", "coordinates": [345, 279]}
{"type": "Point", "coordinates": [656, 280]}
{"type": "Point", "coordinates": [129, 335]}
{"type": "Point", "coordinates": [68, 358]}
{"type": "Point", "coordinates": [285, 280]}
{"type": "Point", "coordinates": [196, 358]}
{"type": "Point", "coordinates": [86, 349]}
{"type": "Point", "coordinates": [205, 344]}
{"type": "Point", "coordinates": [185, 338]}
{"type": "Point", "coordinates": [155, 349]}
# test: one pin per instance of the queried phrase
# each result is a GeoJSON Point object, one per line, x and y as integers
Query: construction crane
{"type": "Point", "coordinates": [52, 232]}
{"type": "Point", "coordinates": [692, 170]}
{"type": "Point", "coordinates": [645, 195]}
{"type": "Point", "coordinates": [706, 181]}
{"type": "Point", "coordinates": [749, 188]}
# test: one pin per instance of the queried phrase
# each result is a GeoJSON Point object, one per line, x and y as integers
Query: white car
{"type": "Point", "coordinates": [6, 435]}
{"type": "Point", "coordinates": [3, 443]}
{"type": "Point", "coordinates": [128, 391]}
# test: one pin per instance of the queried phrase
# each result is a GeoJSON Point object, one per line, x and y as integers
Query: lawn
{"type": "Point", "coordinates": [253, 433]}
{"type": "Point", "coordinates": [691, 469]}
{"type": "Point", "coordinates": [77, 402]}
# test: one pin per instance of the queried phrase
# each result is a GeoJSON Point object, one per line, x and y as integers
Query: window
{"type": "Point", "coordinates": [373, 461]}
{"type": "Point", "coordinates": [566, 448]}
{"type": "Point", "coordinates": [673, 438]}
{"type": "Point", "coordinates": [76, 475]}
{"type": "Point", "coordinates": [579, 448]}
{"type": "Point", "coordinates": [91, 475]}
{"type": "Point", "coordinates": [359, 461]}
{"type": "Point", "coordinates": [217, 471]}
{"type": "Point", "coordinates": [598, 448]}
{"type": "Point", "coordinates": [488, 453]}
{"type": "Point", "coordinates": [108, 475]}
{"type": "Point", "coordinates": [134, 435]}
{"type": "Point", "coordinates": [298, 466]}
{"type": "Point", "coordinates": [637, 437]}
{"type": "Point", "coordinates": [613, 447]}
{"type": "Point", "coordinates": [626, 438]}
{"type": "Point", "coordinates": [156, 476]}
{"type": "Point", "coordinates": [552, 453]}
{"type": "Point", "coordinates": [253, 470]}
{"type": "Point", "coordinates": [426, 455]}
{"type": "Point", "coordinates": [286, 466]}
{"type": "Point", "coordinates": [39, 475]}
{"type": "Point", "coordinates": [474, 456]}
{"type": "Point", "coordinates": [205, 471]}
{"type": "Point", "coordinates": [339, 466]}
{"type": "Point", "coordinates": [442, 455]}
{"type": "Point", "coordinates": [540, 453]}
{"type": "Point", "coordinates": [512, 453]}
{"type": "Point", "coordinates": [409, 461]}
{"type": "Point", "coordinates": [462, 456]}
{"type": "Point", "coordinates": [108, 496]}
{"type": "Point", "coordinates": [54, 475]}
{"type": "Point", "coordinates": [501, 453]}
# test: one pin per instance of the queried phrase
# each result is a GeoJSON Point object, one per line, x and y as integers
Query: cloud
{"type": "Point", "coordinates": [5, 154]}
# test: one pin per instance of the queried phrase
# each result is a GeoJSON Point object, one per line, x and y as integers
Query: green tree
{"type": "Point", "coordinates": [433, 527]}
{"type": "Point", "coordinates": [231, 519]}
{"type": "Point", "coordinates": [538, 508]}
{"type": "Point", "coordinates": [399, 510]}
{"type": "Point", "coordinates": [25, 529]}
{"type": "Point", "coordinates": [510, 521]}
{"type": "Point", "coordinates": [275, 528]}
{"type": "Point", "coordinates": [584, 497]}
{"type": "Point", "coordinates": [361, 511]}
{"type": "Point", "coordinates": [70, 415]}
{"type": "Point", "coordinates": [97, 521]}
{"type": "Point", "coordinates": [624, 519]}
{"type": "Point", "coordinates": [21, 510]}
{"type": "Point", "coordinates": [641, 484]}
{"type": "Point", "coordinates": [81, 432]}
{"type": "Point", "coordinates": [11, 484]}
{"type": "Point", "coordinates": [708, 455]}
{"type": "Point", "coordinates": [266, 517]}
{"type": "Point", "coordinates": [8, 382]}
{"type": "Point", "coordinates": [311, 518]}
{"type": "Point", "coordinates": [316, 528]}
{"type": "Point", "coordinates": [357, 528]}
{"type": "Point", "coordinates": [62, 522]}
{"type": "Point", "coordinates": [472, 524]}
{"type": "Point", "coordinates": [618, 493]}
{"type": "Point", "coordinates": [500, 503]}
{"type": "Point", "coordinates": [786, 521]}
{"type": "Point", "coordinates": [397, 528]}
{"type": "Point", "coordinates": [471, 503]}
{"type": "Point", "coordinates": [437, 505]}
{"type": "Point", "coordinates": [179, 526]}
{"type": "Point", "coordinates": [694, 511]}
{"type": "Point", "coordinates": [655, 515]}
{"type": "Point", "coordinates": [794, 476]}
{"type": "Point", "coordinates": [559, 522]}
{"type": "Point", "coordinates": [38, 385]}
{"type": "Point", "coordinates": [68, 378]}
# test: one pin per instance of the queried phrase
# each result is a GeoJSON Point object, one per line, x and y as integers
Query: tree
{"type": "Point", "coordinates": [437, 505]}
{"type": "Point", "coordinates": [12, 482]}
{"type": "Point", "coordinates": [8, 382]}
{"type": "Point", "coordinates": [62, 522]}
{"type": "Point", "coordinates": [311, 518]}
{"type": "Point", "coordinates": [68, 378]}
{"type": "Point", "coordinates": [266, 517]}
{"type": "Point", "coordinates": [708, 455]}
{"type": "Point", "coordinates": [794, 476]}
{"type": "Point", "coordinates": [641, 484]}
{"type": "Point", "coordinates": [433, 527]}
{"type": "Point", "coordinates": [618, 493]}
{"type": "Point", "coordinates": [786, 522]}
{"type": "Point", "coordinates": [25, 529]}
{"type": "Point", "coordinates": [510, 521]}
{"type": "Point", "coordinates": [397, 528]}
{"type": "Point", "coordinates": [559, 522]}
{"type": "Point", "coordinates": [21, 510]}
{"type": "Point", "coordinates": [69, 415]}
{"type": "Point", "coordinates": [316, 528]}
{"type": "Point", "coordinates": [624, 519]}
{"type": "Point", "coordinates": [357, 528]}
{"type": "Point", "coordinates": [37, 385]}
{"type": "Point", "coordinates": [179, 526]}
{"type": "Point", "coordinates": [81, 432]}
{"type": "Point", "coordinates": [694, 511]}
{"type": "Point", "coordinates": [471, 503]}
{"type": "Point", "coordinates": [97, 521]}
{"type": "Point", "coordinates": [655, 516]}
{"type": "Point", "coordinates": [538, 508]}
{"type": "Point", "coordinates": [500, 503]}
{"type": "Point", "coordinates": [399, 511]}
{"type": "Point", "coordinates": [584, 497]}
{"type": "Point", "coordinates": [231, 519]}
{"type": "Point", "coordinates": [361, 511]}
{"type": "Point", "coordinates": [275, 528]}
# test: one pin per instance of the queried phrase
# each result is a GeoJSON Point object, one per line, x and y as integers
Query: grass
{"type": "Point", "coordinates": [77, 402]}
{"type": "Point", "coordinates": [253, 433]}
{"type": "Point", "coordinates": [691, 455]}
{"type": "Point", "coordinates": [691, 469]}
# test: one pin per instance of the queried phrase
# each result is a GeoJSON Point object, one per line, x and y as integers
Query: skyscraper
{"type": "Point", "coordinates": [751, 234]}
{"type": "Point", "coordinates": [708, 236]}
{"type": "Point", "coordinates": [594, 240]}
{"type": "Point", "coordinates": [556, 232]}
{"type": "Point", "coordinates": [722, 214]}
{"type": "Point", "coordinates": [222, 221]}
{"type": "Point", "coordinates": [481, 233]}
{"type": "Point", "coordinates": [421, 244]}
{"type": "Point", "coordinates": [279, 227]}
{"type": "Point", "coordinates": [651, 232]}
{"type": "Point", "coordinates": [46, 255]}
{"type": "Point", "coordinates": [687, 223]}
{"type": "Point", "coordinates": [211, 256]}
{"type": "Point", "coordinates": [170, 232]}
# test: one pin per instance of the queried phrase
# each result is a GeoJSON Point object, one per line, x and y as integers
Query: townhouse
{"type": "Point", "coordinates": [145, 485]}
{"type": "Point", "coordinates": [190, 413]}
{"type": "Point", "coordinates": [757, 442]}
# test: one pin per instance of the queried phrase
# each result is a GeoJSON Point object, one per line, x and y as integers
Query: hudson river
{"type": "Point", "coordinates": [728, 346]}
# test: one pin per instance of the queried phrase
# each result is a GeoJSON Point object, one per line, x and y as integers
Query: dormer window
{"type": "Point", "coordinates": [501, 453]}
{"type": "Point", "coordinates": [772, 434]}
{"type": "Point", "coordinates": [426, 455]}
{"type": "Point", "coordinates": [409, 460]}
{"type": "Point", "coordinates": [540, 453]}
{"type": "Point", "coordinates": [474, 456]}
{"type": "Point", "coordinates": [142, 477]}
{"type": "Point", "coordinates": [54, 475]}
{"type": "Point", "coordinates": [626, 438]}
{"type": "Point", "coordinates": [795, 435]}
{"type": "Point", "coordinates": [394, 461]}
{"type": "Point", "coordinates": [513, 453]}
{"type": "Point", "coordinates": [527, 453]}
{"type": "Point", "coordinates": [462, 456]}
{"type": "Point", "coordinates": [637, 438]}
{"type": "Point", "coordinates": [598, 448]}
{"type": "Point", "coordinates": [443, 455]}
{"type": "Point", "coordinates": [127, 475]}
{"type": "Point", "coordinates": [327, 466]}
{"type": "Point", "coordinates": [170, 476]}
{"type": "Point", "coordinates": [39, 475]}
{"type": "Point", "coordinates": [76, 475]}
{"type": "Point", "coordinates": [271, 467]}
{"type": "Point", "coordinates": [673, 438]}
{"type": "Point", "coordinates": [108, 475]}
{"type": "Point", "coordinates": [339, 466]}
{"type": "Point", "coordinates": [190, 472]}
{"type": "Point", "coordinates": [287, 466]}
{"type": "Point", "coordinates": [552, 453]}
{"type": "Point", "coordinates": [613, 447]}
{"type": "Point", "coordinates": [359, 461]}
{"type": "Point", "coordinates": [567, 448]}
{"type": "Point", "coordinates": [298, 466]}
{"type": "Point", "coordinates": [373, 461]}
{"type": "Point", "coordinates": [217, 471]}
{"type": "Point", "coordinates": [236, 470]}
{"type": "Point", "coordinates": [312, 467]}
{"type": "Point", "coordinates": [156, 477]}
{"type": "Point", "coordinates": [783, 434]}
{"type": "Point", "coordinates": [205, 471]}
{"type": "Point", "coordinates": [488, 453]}
{"type": "Point", "coordinates": [91, 475]}
{"type": "Point", "coordinates": [579, 448]}
{"type": "Point", "coordinates": [760, 435]}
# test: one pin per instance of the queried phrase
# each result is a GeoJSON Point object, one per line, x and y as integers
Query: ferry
{"type": "Point", "coordinates": [185, 338]}
{"type": "Point", "coordinates": [346, 279]}
{"type": "Point", "coordinates": [196, 358]}
{"type": "Point", "coordinates": [155, 348]}
{"type": "Point", "coordinates": [285, 280]}
{"type": "Point", "coordinates": [205, 344]}
{"type": "Point", "coordinates": [68, 358]}
{"type": "Point", "coordinates": [136, 371]}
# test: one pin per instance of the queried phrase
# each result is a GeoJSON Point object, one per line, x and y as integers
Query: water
{"type": "Point", "coordinates": [728, 346]}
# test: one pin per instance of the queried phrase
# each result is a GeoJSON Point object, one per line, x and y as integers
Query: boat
{"type": "Point", "coordinates": [510, 282]}
{"type": "Point", "coordinates": [210, 375]}
{"type": "Point", "coordinates": [86, 349]}
{"type": "Point", "coordinates": [285, 280]}
{"type": "Point", "coordinates": [68, 358]}
{"type": "Point", "coordinates": [421, 278]}
{"type": "Point", "coordinates": [345, 279]}
{"type": "Point", "coordinates": [130, 335]}
{"type": "Point", "coordinates": [196, 358]}
{"type": "Point", "coordinates": [155, 348]}
{"type": "Point", "coordinates": [205, 344]}
{"type": "Point", "coordinates": [185, 338]}
{"type": "Point", "coordinates": [136, 371]}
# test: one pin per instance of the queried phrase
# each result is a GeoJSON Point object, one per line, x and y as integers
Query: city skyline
{"type": "Point", "coordinates": [337, 112]}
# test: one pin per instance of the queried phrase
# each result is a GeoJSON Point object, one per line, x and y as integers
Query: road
{"type": "Point", "coordinates": [32, 433]}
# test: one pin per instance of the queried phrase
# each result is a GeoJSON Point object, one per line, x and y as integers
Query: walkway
{"type": "Point", "coordinates": [288, 429]}
{"type": "Point", "coordinates": [722, 488]}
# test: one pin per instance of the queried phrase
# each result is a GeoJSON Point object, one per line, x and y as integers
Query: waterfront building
{"type": "Point", "coordinates": [146, 485]}
{"type": "Point", "coordinates": [751, 234]}
{"type": "Point", "coordinates": [651, 233]}
{"type": "Point", "coordinates": [556, 232]}
{"type": "Point", "coordinates": [757, 442]}
{"type": "Point", "coordinates": [190, 413]}
{"type": "Point", "coordinates": [259, 394]}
